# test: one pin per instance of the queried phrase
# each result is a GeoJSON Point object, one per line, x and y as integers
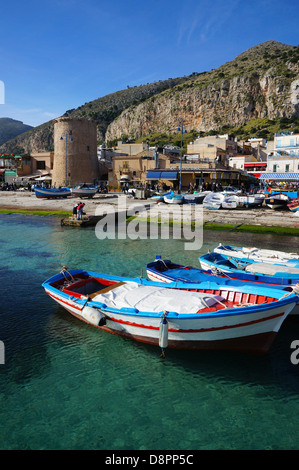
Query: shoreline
{"type": "Point", "coordinates": [261, 220]}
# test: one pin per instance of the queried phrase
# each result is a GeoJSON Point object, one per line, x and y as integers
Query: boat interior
{"type": "Point", "coordinates": [88, 286]}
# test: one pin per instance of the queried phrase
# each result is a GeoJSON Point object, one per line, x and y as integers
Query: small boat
{"type": "Point", "coordinates": [213, 201]}
{"type": "Point", "coordinates": [205, 317]}
{"type": "Point", "coordinates": [84, 190]}
{"type": "Point", "coordinates": [251, 200]}
{"type": "Point", "coordinates": [174, 199]}
{"type": "Point", "coordinates": [277, 201]}
{"type": "Point", "coordinates": [52, 192]}
{"type": "Point", "coordinates": [248, 270]}
{"type": "Point", "coordinates": [160, 197]}
{"type": "Point", "coordinates": [294, 205]}
{"type": "Point", "coordinates": [230, 202]}
{"type": "Point", "coordinates": [166, 271]}
{"type": "Point", "coordinates": [257, 254]}
{"type": "Point", "coordinates": [225, 200]}
{"type": "Point", "coordinates": [195, 198]}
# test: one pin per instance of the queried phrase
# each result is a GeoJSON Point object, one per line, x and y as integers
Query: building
{"type": "Point", "coordinates": [283, 161]}
{"type": "Point", "coordinates": [75, 152]}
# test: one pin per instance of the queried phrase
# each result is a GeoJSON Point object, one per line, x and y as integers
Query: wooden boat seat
{"type": "Point", "coordinates": [106, 289]}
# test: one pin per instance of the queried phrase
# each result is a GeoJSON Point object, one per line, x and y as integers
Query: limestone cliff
{"type": "Point", "coordinates": [261, 82]}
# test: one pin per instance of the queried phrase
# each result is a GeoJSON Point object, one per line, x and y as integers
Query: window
{"type": "Point", "coordinates": [41, 165]}
{"type": "Point", "coordinates": [278, 143]}
{"type": "Point", "coordinates": [287, 168]}
{"type": "Point", "coordinates": [274, 168]}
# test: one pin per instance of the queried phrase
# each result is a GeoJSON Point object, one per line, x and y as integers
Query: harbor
{"type": "Point", "coordinates": [256, 218]}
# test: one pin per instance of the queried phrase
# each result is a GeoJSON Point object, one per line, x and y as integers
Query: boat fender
{"type": "Point", "coordinates": [163, 333]}
{"type": "Point", "coordinates": [93, 316]}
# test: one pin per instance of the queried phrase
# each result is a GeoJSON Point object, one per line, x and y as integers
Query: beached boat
{"type": "Point", "coordinates": [248, 270]}
{"type": "Point", "coordinates": [84, 190]}
{"type": "Point", "coordinates": [160, 197]}
{"type": "Point", "coordinates": [231, 201]}
{"type": "Point", "coordinates": [52, 192]}
{"type": "Point", "coordinates": [277, 201]}
{"type": "Point", "coordinates": [174, 199]}
{"type": "Point", "coordinates": [251, 200]}
{"type": "Point", "coordinates": [258, 254]}
{"type": "Point", "coordinates": [195, 198]}
{"type": "Point", "coordinates": [293, 205]}
{"type": "Point", "coordinates": [220, 200]}
{"type": "Point", "coordinates": [205, 317]}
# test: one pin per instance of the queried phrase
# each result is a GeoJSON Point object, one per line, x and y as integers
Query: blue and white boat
{"type": "Point", "coordinates": [162, 270]}
{"type": "Point", "coordinates": [84, 190]}
{"type": "Point", "coordinates": [257, 254]}
{"type": "Point", "coordinates": [160, 197]}
{"type": "Point", "coordinates": [174, 198]}
{"type": "Point", "coordinates": [248, 270]}
{"type": "Point", "coordinates": [52, 192]}
{"type": "Point", "coordinates": [179, 316]}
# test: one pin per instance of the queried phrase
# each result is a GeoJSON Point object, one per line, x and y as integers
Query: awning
{"type": "Point", "coordinates": [162, 175]}
{"type": "Point", "coordinates": [124, 179]}
{"type": "Point", "coordinates": [255, 164]}
{"type": "Point", "coordinates": [280, 176]}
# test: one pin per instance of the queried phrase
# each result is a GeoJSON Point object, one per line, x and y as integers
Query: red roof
{"type": "Point", "coordinates": [255, 164]}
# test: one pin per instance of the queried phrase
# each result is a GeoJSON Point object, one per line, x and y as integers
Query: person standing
{"type": "Point", "coordinates": [80, 210]}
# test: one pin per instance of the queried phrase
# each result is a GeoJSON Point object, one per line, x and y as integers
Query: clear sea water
{"type": "Point", "coordinates": [66, 385]}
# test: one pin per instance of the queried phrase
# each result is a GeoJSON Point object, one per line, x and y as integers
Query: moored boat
{"type": "Point", "coordinates": [52, 192]}
{"type": "Point", "coordinates": [257, 254]}
{"type": "Point", "coordinates": [166, 271]}
{"type": "Point", "coordinates": [248, 270]}
{"type": "Point", "coordinates": [204, 317]}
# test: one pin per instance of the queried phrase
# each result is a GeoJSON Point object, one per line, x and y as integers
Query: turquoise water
{"type": "Point", "coordinates": [65, 385]}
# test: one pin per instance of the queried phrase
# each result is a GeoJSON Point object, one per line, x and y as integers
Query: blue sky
{"type": "Point", "coordinates": [59, 54]}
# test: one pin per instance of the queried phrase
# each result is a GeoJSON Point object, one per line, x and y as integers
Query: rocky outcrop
{"type": "Point", "coordinates": [232, 102]}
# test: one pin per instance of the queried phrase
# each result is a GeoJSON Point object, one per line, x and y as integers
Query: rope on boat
{"type": "Point", "coordinates": [294, 291]}
{"type": "Point", "coordinates": [65, 271]}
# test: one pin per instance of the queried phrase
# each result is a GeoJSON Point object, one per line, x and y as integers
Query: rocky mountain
{"type": "Point", "coordinates": [10, 128]}
{"type": "Point", "coordinates": [262, 83]}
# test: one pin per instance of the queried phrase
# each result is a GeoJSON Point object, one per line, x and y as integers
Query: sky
{"type": "Point", "coordinates": [60, 54]}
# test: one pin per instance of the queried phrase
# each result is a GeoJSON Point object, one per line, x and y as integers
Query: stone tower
{"type": "Point", "coordinates": [75, 152]}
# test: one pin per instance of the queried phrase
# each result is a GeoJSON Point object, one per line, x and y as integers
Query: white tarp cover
{"type": "Point", "coordinates": [256, 268]}
{"type": "Point", "coordinates": [156, 299]}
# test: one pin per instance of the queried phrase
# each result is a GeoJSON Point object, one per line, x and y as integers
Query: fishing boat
{"type": "Point", "coordinates": [294, 205]}
{"type": "Point", "coordinates": [251, 200]}
{"type": "Point", "coordinates": [162, 270]}
{"type": "Point", "coordinates": [231, 201]}
{"type": "Point", "coordinates": [177, 316]}
{"type": "Point", "coordinates": [84, 190]}
{"type": "Point", "coordinates": [52, 192]}
{"type": "Point", "coordinates": [277, 201]}
{"type": "Point", "coordinates": [160, 197]}
{"type": "Point", "coordinates": [174, 199]}
{"type": "Point", "coordinates": [213, 201]}
{"type": "Point", "coordinates": [248, 270]}
{"type": "Point", "coordinates": [258, 254]}
{"type": "Point", "coordinates": [195, 198]}
{"type": "Point", "coordinates": [220, 200]}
